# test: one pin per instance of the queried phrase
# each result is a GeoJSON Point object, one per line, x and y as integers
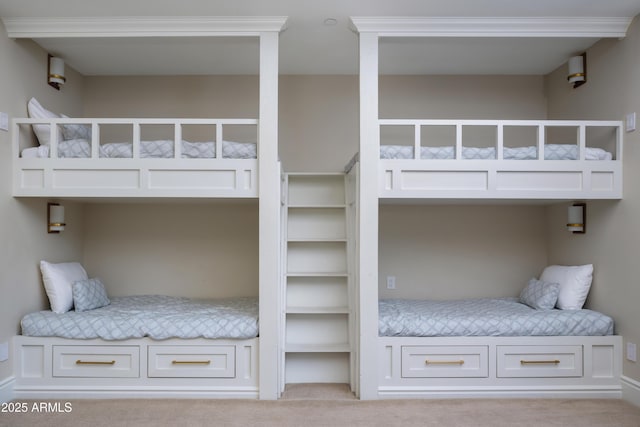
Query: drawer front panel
{"type": "Point", "coordinates": [539, 361]}
{"type": "Point", "coordinates": [210, 361]}
{"type": "Point", "coordinates": [445, 361]}
{"type": "Point", "coordinates": [96, 361]}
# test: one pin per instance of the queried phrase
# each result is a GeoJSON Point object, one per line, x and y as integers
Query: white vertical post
{"type": "Point", "coordinates": [541, 139]}
{"type": "Point", "coordinates": [219, 137]}
{"type": "Point", "coordinates": [177, 140]}
{"type": "Point", "coordinates": [136, 140]}
{"type": "Point", "coordinates": [367, 257]}
{"type": "Point", "coordinates": [582, 142]}
{"type": "Point", "coordinates": [416, 141]}
{"type": "Point", "coordinates": [458, 141]}
{"type": "Point", "coordinates": [268, 217]}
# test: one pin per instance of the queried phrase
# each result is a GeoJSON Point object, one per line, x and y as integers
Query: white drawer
{"type": "Point", "coordinates": [539, 361]}
{"type": "Point", "coordinates": [445, 361]}
{"type": "Point", "coordinates": [96, 361]}
{"type": "Point", "coordinates": [207, 361]}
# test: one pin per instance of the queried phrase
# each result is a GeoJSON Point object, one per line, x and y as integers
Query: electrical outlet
{"type": "Point", "coordinates": [4, 351]}
{"type": "Point", "coordinates": [391, 282]}
{"type": "Point", "coordinates": [630, 122]}
{"type": "Point", "coordinates": [631, 352]}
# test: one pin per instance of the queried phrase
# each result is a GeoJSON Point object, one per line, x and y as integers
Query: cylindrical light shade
{"type": "Point", "coordinates": [56, 70]}
{"type": "Point", "coordinates": [576, 69]}
{"type": "Point", "coordinates": [56, 218]}
{"type": "Point", "coordinates": [575, 219]}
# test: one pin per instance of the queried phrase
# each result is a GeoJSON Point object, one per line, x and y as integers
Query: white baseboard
{"type": "Point", "coordinates": [6, 389]}
{"type": "Point", "coordinates": [630, 390]}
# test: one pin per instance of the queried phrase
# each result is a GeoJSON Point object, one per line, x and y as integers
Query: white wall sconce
{"type": "Point", "coordinates": [55, 72]}
{"type": "Point", "coordinates": [55, 218]}
{"type": "Point", "coordinates": [577, 70]}
{"type": "Point", "coordinates": [577, 218]}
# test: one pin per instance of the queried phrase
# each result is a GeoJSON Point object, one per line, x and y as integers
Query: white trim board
{"type": "Point", "coordinates": [630, 390]}
{"type": "Point", "coordinates": [136, 26]}
{"type": "Point", "coordinates": [6, 389]}
{"type": "Point", "coordinates": [492, 27]}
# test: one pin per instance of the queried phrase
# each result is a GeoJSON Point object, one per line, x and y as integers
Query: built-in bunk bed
{"type": "Point", "coordinates": [90, 344]}
{"type": "Point", "coordinates": [538, 343]}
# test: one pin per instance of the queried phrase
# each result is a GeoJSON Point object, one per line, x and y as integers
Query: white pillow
{"type": "Point", "coordinates": [58, 281]}
{"type": "Point", "coordinates": [37, 111]}
{"type": "Point", "coordinates": [574, 281]}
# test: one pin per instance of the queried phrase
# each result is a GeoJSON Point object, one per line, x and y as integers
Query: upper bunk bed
{"type": "Point", "coordinates": [498, 159]}
{"type": "Point", "coordinates": [151, 157]}
{"type": "Point", "coordinates": [501, 159]}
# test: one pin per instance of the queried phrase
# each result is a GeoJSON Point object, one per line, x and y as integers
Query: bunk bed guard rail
{"type": "Point", "coordinates": [177, 172]}
{"type": "Point", "coordinates": [500, 159]}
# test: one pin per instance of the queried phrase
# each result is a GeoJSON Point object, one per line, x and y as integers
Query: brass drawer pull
{"type": "Point", "coordinates": [191, 362]}
{"type": "Point", "coordinates": [444, 362]}
{"type": "Point", "coordinates": [97, 362]}
{"type": "Point", "coordinates": [539, 362]}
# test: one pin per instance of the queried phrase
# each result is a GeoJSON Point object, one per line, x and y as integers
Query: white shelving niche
{"type": "Point", "coordinates": [318, 317]}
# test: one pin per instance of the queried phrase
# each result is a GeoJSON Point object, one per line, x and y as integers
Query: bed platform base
{"type": "Point", "coordinates": [486, 367]}
{"type": "Point", "coordinates": [49, 368]}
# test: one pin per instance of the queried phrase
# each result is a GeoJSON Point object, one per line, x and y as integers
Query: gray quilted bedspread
{"type": "Point", "coordinates": [155, 316]}
{"type": "Point", "coordinates": [485, 317]}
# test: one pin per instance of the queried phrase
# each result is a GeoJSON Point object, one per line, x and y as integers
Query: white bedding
{"type": "Point", "coordinates": [551, 152]}
{"type": "Point", "coordinates": [485, 317]}
{"type": "Point", "coordinates": [155, 316]}
{"type": "Point", "coordinates": [81, 148]}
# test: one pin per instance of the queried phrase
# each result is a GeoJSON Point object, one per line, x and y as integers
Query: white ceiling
{"type": "Point", "coordinates": [308, 46]}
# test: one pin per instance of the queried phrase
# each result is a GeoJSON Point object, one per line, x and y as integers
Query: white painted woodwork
{"type": "Point", "coordinates": [269, 172]}
{"type": "Point", "coordinates": [586, 367]}
{"type": "Point", "coordinates": [317, 325]}
{"type": "Point", "coordinates": [501, 178]}
{"type": "Point", "coordinates": [134, 177]}
{"type": "Point", "coordinates": [47, 368]}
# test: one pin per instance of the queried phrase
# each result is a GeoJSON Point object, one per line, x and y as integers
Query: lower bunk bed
{"type": "Point", "coordinates": [495, 348]}
{"type": "Point", "coordinates": [141, 346]}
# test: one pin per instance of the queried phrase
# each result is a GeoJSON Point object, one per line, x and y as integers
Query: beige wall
{"type": "Point", "coordinates": [190, 249]}
{"type": "Point", "coordinates": [462, 97]}
{"type": "Point", "coordinates": [460, 251]}
{"type": "Point", "coordinates": [24, 240]}
{"type": "Point", "coordinates": [613, 232]}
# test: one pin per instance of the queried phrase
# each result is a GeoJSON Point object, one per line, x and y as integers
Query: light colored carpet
{"type": "Point", "coordinates": [318, 391]}
{"type": "Point", "coordinates": [334, 413]}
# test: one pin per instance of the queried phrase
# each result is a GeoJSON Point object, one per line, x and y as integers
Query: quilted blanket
{"type": "Point", "coordinates": [81, 148]}
{"type": "Point", "coordinates": [155, 316]}
{"type": "Point", "coordinates": [551, 152]}
{"type": "Point", "coordinates": [484, 317]}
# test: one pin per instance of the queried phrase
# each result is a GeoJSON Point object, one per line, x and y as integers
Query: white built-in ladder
{"type": "Point", "coordinates": [317, 289]}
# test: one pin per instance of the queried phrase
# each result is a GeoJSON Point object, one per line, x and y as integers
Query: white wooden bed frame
{"type": "Point", "coordinates": [54, 368]}
{"type": "Point", "coordinates": [473, 366]}
{"type": "Point", "coordinates": [499, 178]}
{"type": "Point", "coordinates": [133, 177]}
{"type": "Point", "coordinates": [255, 366]}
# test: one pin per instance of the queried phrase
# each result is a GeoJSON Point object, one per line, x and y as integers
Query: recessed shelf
{"type": "Point", "coordinates": [315, 239]}
{"type": "Point", "coordinates": [328, 274]}
{"type": "Point", "coordinates": [316, 206]}
{"type": "Point", "coordinates": [317, 310]}
{"type": "Point", "coordinates": [317, 348]}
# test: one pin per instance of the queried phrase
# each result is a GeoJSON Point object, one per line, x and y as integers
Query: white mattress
{"type": "Point", "coordinates": [485, 317]}
{"type": "Point", "coordinates": [551, 152]}
{"type": "Point", "coordinates": [81, 148]}
{"type": "Point", "coordinates": [155, 316]}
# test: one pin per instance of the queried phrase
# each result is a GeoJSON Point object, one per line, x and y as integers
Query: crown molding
{"type": "Point", "coordinates": [492, 27]}
{"type": "Point", "coordinates": [169, 26]}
